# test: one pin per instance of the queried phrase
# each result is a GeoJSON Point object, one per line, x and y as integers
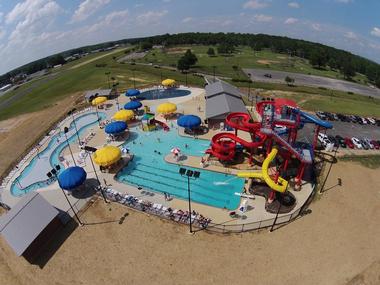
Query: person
{"type": "Point", "coordinates": [186, 145]}
{"type": "Point", "coordinates": [166, 196]}
{"type": "Point", "coordinates": [203, 160]}
{"type": "Point", "coordinates": [158, 139]}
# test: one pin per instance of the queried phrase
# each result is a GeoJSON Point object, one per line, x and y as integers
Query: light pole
{"type": "Point", "coordinates": [189, 173]}
{"type": "Point", "coordinates": [71, 112]}
{"type": "Point", "coordinates": [108, 78]}
{"type": "Point", "coordinates": [186, 77]}
{"type": "Point", "coordinates": [66, 130]}
{"type": "Point", "coordinates": [92, 150]}
{"type": "Point", "coordinates": [117, 95]}
{"type": "Point", "coordinates": [213, 68]}
{"type": "Point", "coordinates": [134, 80]}
{"type": "Point", "coordinates": [54, 172]}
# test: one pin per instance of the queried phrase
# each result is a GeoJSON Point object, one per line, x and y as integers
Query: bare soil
{"type": "Point", "coordinates": [338, 240]}
{"type": "Point", "coordinates": [267, 61]}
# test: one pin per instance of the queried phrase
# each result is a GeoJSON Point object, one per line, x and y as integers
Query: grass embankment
{"type": "Point", "coordinates": [243, 57]}
{"type": "Point", "coordinates": [370, 161]}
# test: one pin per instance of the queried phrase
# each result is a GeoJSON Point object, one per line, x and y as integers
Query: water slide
{"type": "Point", "coordinates": [311, 119]}
{"type": "Point", "coordinates": [241, 121]}
{"type": "Point", "coordinates": [281, 184]}
{"type": "Point", "coordinates": [162, 124]}
{"type": "Point", "coordinates": [223, 145]}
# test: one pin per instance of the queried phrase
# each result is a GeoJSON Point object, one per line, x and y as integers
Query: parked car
{"type": "Point", "coordinates": [349, 143]}
{"type": "Point", "coordinates": [333, 140]}
{"type": "Point", "coordinates": [364, 121]}
{"type": "Point", "coordinates": [372, 121]}
{"type": "Point", "coordinates": [376, 144]}
{"type": "Point", "coordinates": [335, 116]}
{"type": "Point", "coordinates": [341, 141]}
{"type": "Point", "coordinates": [323, 139]}
{"type": "Point", "coordinates": [353, 118]}
{"type": "Point", "coordinates": [359, 120]}
{"type": "Point", "coordinates": [364, 144]}
{"type": "Point", "coordinates": [321, 115]}
{"type": "Point", "coordinates": [368, 142]}
{"type": "Point", "coordinates": [268, 75]}
{"type": "Point", "coordinates": [357, 143]}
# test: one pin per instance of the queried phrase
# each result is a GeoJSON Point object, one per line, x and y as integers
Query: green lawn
{"type": "Point", "coordinates": [244, 57]}
{"type": "Point", "coordinates": [370, 161]}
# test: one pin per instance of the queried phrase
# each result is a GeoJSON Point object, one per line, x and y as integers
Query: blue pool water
{"type": "Point", "coordinates": [149, 170]}
{"type": "Point", "coordinates": [16, 188]}
{"type": "Point", "coordinates": [163, 93]}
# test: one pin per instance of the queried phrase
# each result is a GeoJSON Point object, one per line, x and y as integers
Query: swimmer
{"type": "Point", "coordinates": [158, 139]}
{"type": "Point", "coordinates": [186, 145]}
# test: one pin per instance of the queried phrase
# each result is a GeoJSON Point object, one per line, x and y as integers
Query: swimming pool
{"type": "Point", "coordinates": [154, 94]}
{"type": "Point", "coordinates": [33, 176]}
{"type": "Point", "coordinates": [149, 170]}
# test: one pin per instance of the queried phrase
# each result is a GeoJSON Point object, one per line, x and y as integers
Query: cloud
{"type": "Point", "coordinates": [255, 4]}
{"type": "Point", "coordinates": [316, 27]}
{"type": "Point", "coordinates": [293, 5]}
{"type": "Point", "coordinates": [111, 20]}
{"type": "Point", "coordinates": [187, 20]}
{"type": "Point", "coordinates": [86, 9]}
{"type": "Point", "coordinates": [344, 1]}
{"type": "Point", "coordinates": [2, 32]}
{"type": "Point", "coordinates": [150, 17]}
{"type": "Point", "coordinates": [350, 35]}
{"type": "Point", "coordinates": [1, 16]}
{"type": "Point", "coordinates": [290, 21]}
{"type": "Point", "coordinates": [262, 18]}
{"type": "Point", "coordinates": [375, 32]}
{"type": "Point", "coordinates": [29, 9]}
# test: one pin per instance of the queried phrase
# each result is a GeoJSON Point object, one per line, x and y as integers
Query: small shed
{"type": "Point", "coordinates": [29, 225]}
{"type": "Point", "coordinates": [221, 99]}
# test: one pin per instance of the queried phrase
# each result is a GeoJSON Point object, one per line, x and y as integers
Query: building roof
{"type": "Point", "coordinates": [97, 92]}
{"type": "Point", "coordinates": [26, 220]}
{"type": "Point", "coordinates": [221, 87]}
{"type": "Point", "coordinates": [223, 98]}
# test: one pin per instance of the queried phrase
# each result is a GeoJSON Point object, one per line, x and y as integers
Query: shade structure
{"type": "Point", "coordinates": [189, 121]}
{"type": "Point", "coordinates": [72, 177]}
{"type": "Point", "coordinates": [133, 105]}
{"type": "Point", "coordinates": [107, 155]}
{"type": "Point", "coordinates": [116, 127]}
{"type": "Point", "coordinates": [168, 82]}
{"type": "Point", "coordinates": [99, 100]}
{"type": "Point", "coordinates": [123, 115]}
{"type": "Point", "coordinates": [166, 108]}
{"type": "Point", "coordinates": [132, 92]}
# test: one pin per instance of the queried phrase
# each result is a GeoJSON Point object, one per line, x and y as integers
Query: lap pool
{"type": "Point", "coordinates": [155, 94]}
{"type": "Point", "coordinates": [150, 171]}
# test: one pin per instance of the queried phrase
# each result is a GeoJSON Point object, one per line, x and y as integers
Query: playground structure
{"type": "Point", "coordinates": [149, 123]}
{"type": "Point", "coordinates": [279, 148]}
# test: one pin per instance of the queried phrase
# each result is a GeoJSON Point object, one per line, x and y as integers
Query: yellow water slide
{"type": "Point", "coordinates": [281, 184]}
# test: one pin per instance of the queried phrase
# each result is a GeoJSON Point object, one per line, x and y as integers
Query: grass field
{"type": "Point", "coordinates": [244, 57]}
{"type": "Point", "coordinates": [370, 161]}
{"type": "Point", "coordinates": [66, 81]}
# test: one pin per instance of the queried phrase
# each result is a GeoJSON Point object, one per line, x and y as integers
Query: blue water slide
{"type": "Point", "coordinates": [311, 119]}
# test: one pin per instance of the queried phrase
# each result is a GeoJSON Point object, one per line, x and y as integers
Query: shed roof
{"type": "Point", "coordinates": [223, 98]}
{"type": "Point", "coordinates": [221, 87]}
{"type": "Point", "coordinates": [26, 220]}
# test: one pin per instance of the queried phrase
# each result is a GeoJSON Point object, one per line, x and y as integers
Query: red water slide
{"type": "Point", "coordinates": [223, 144]}
{"type": "Point", "coordinates": [162, 124]}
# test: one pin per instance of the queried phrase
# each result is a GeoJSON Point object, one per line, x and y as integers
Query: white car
{"type": "Point", "coordinates": [364, 121]}
{"type": "Point", "coordinates": [357, 143]}
{"type": "Point", "coordinates": [323, 139]}
{"type": "Point", "coordinates": [371, 120]}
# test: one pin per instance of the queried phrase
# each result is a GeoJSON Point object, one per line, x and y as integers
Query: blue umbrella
{"type": "Point", "coordinates": [132, 92]}
{"type": "Point", "coordinates": [189, 121]}
{"type": "Point", "coordinates": [72, 177]}
{"type": "Point", "coordinates": [116, 127]}
{"type": "Point", "coordinates": [132, 105]}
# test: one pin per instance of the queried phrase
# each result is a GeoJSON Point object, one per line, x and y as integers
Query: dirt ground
{"type": "Point", "coordinates": [337, 243]}
{"type": "Point", "coordinates": [266, 61]}
{"type": "Point", "coordinates": [18, 133]}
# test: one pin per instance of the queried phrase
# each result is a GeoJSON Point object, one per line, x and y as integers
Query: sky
{"type": "Point", "coordinates": [33, 29]}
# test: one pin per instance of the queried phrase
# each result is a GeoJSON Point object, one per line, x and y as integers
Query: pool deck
{"type": "Point", "coordinates": [191, 104]}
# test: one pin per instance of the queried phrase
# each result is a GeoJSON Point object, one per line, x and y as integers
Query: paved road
{"type": "Point", "coordinates": [311, 80]}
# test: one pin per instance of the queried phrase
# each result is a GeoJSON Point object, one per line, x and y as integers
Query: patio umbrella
{"type": "Point", "coordinates": [189, 121]}
{"type": "Point", "coordinates": [123, 115]}
{"type": "Point", "coordinates": [107, 155]}
{"type": "Point", "coordinates": [133, 105]}
{"type": "Point", "coordinates": [166, 108]}
{"type": "Point", "coordinates": [72, 177]}
{"type": "Point", "coordinates": [116, 127]}
{"type": "Point", "coordinates": [168, 82]}
{"type": "Point", "coordinates": [98, 100]}
{"type": "Point", "coordinates": [132, 93]}
{"type": "Point", "coordinates": [175, 150]}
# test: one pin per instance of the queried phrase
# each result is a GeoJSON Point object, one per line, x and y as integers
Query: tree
{"type": "Point", "coordinates": [226, 48]}
{"type": "Point", "coordinates": [378, 82]}
{"type": "Point", "coordinates": [348, 69]}
{"type": "Point", "coordinates": [290, 81]}
{"type": "Point", "coordinates": [145, 45]}
{"type": "Point", "coordinates": [211, 51]}
{"type": "Point", "coordinates": [182, 64]}
{"type": "Point", "coordinates": [318, 58]}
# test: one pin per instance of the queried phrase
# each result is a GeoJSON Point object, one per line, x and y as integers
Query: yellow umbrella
{"type": "Point", "coordinates": [107, 155]}
{"type": "Point", "coordinates": [123, 115]}
{"type": "Point", "coordinates": [99, 100]}
{"type": "Point", "coordinates": [166, 108]}
{"type": "Point", "coordinates": [168, 82]}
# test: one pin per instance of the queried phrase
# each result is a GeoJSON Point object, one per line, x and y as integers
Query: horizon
{"type": "Point", "coordinates": [40, 28]}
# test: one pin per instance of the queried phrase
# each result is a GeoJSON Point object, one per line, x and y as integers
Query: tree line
{"type": "Point", "coordinates": [319, 55]}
